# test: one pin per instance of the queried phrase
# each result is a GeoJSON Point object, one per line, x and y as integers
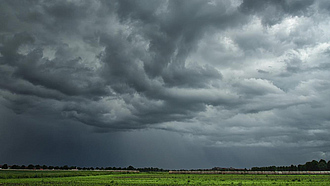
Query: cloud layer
{"type": "Point", "coordinates": [221, 73]}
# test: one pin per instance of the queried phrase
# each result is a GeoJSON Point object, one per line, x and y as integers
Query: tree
{"type": "Point", "coordinates": [312, 166]}
{"type": "Point", "coordinates": [4, 166]}
{"type": "Point", "coordinates": [302, 167]}
{"type": "Point", "coordinates": [322, 165]}
{"type": "Point", "coordinates": [15, 167]}
{"type": "Point", "coordinates": [293, 168]}
{"type": "Point", "coordinates": [328, 165]}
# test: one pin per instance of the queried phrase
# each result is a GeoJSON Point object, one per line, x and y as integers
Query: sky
{"type": "Point", "coordinates": [174, 84]}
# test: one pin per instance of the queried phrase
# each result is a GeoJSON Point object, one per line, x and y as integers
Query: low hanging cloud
{"type": "Point", "coordinates": [230, 73]}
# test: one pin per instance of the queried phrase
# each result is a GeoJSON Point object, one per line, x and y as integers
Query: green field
{"type": "Point", "coordinates": [109, 178]}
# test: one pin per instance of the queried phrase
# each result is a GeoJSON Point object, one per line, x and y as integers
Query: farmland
{"type": "Point", "coordinates": [10, 177]}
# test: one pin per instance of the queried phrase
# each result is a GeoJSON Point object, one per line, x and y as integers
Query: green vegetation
{"type": "Point", "coordinates": [314, 165]}
{"type": "Point", "coordinates": [15, 174]}
{"type": "Point", "coordinates": [154, 178]}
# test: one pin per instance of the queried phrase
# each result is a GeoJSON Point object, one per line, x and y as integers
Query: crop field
{"type": "Point", "coordinates": [155, 178]}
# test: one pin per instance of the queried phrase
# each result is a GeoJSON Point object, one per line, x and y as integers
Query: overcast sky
{"type": "Point", "coordinates": [168, 84]}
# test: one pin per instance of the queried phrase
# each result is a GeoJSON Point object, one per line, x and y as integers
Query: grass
{"type": "Point", "coordinates": [110, 178]}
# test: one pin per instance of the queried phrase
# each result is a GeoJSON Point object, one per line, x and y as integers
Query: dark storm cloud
{"type": "Point", "coordinates": [272, 12]}
{"type": "Point", "coordinates": [173, 28]}
{"type": "Point", "coordinates": [221, 73]}
{"type": "Point", "coordinates": [135, 63]}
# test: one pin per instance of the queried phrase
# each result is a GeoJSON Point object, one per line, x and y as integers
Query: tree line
{"type": "Point", "coordinates": [66, 167]}
{"type": "Point", "coordinates": [313, 165]}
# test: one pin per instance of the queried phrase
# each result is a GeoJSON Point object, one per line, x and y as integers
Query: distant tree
{"type": "Point", "coordinates": [4, 166]}
{"type": "Point", "coordinates": [302, 167]}
{"type": "Point", "coordinates": [15, 167]}
{"type": "Point", "coordinates": [293, 168]}
{"type": "Point", "coordinates": [130, 167]}
{"type": "Point", "coordinates": [23, 167]}
{"type": "Point", "coordinates": [30, 166]}
{"type": "Point", "coordinates": [322, 165]}
{"type": "Point", "coordinates": [312, 166]}
{"type": "Point", "coordinates": [308, 166]}
{"type": "Point", "coordinates": [44, 167]}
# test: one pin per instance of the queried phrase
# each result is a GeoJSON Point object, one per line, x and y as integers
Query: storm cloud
{"type": "Point", "coordinates": [221, 77]}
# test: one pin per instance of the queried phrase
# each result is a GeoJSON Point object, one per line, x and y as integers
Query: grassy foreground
{"type": "Point", "coordinates": [110, 178]}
